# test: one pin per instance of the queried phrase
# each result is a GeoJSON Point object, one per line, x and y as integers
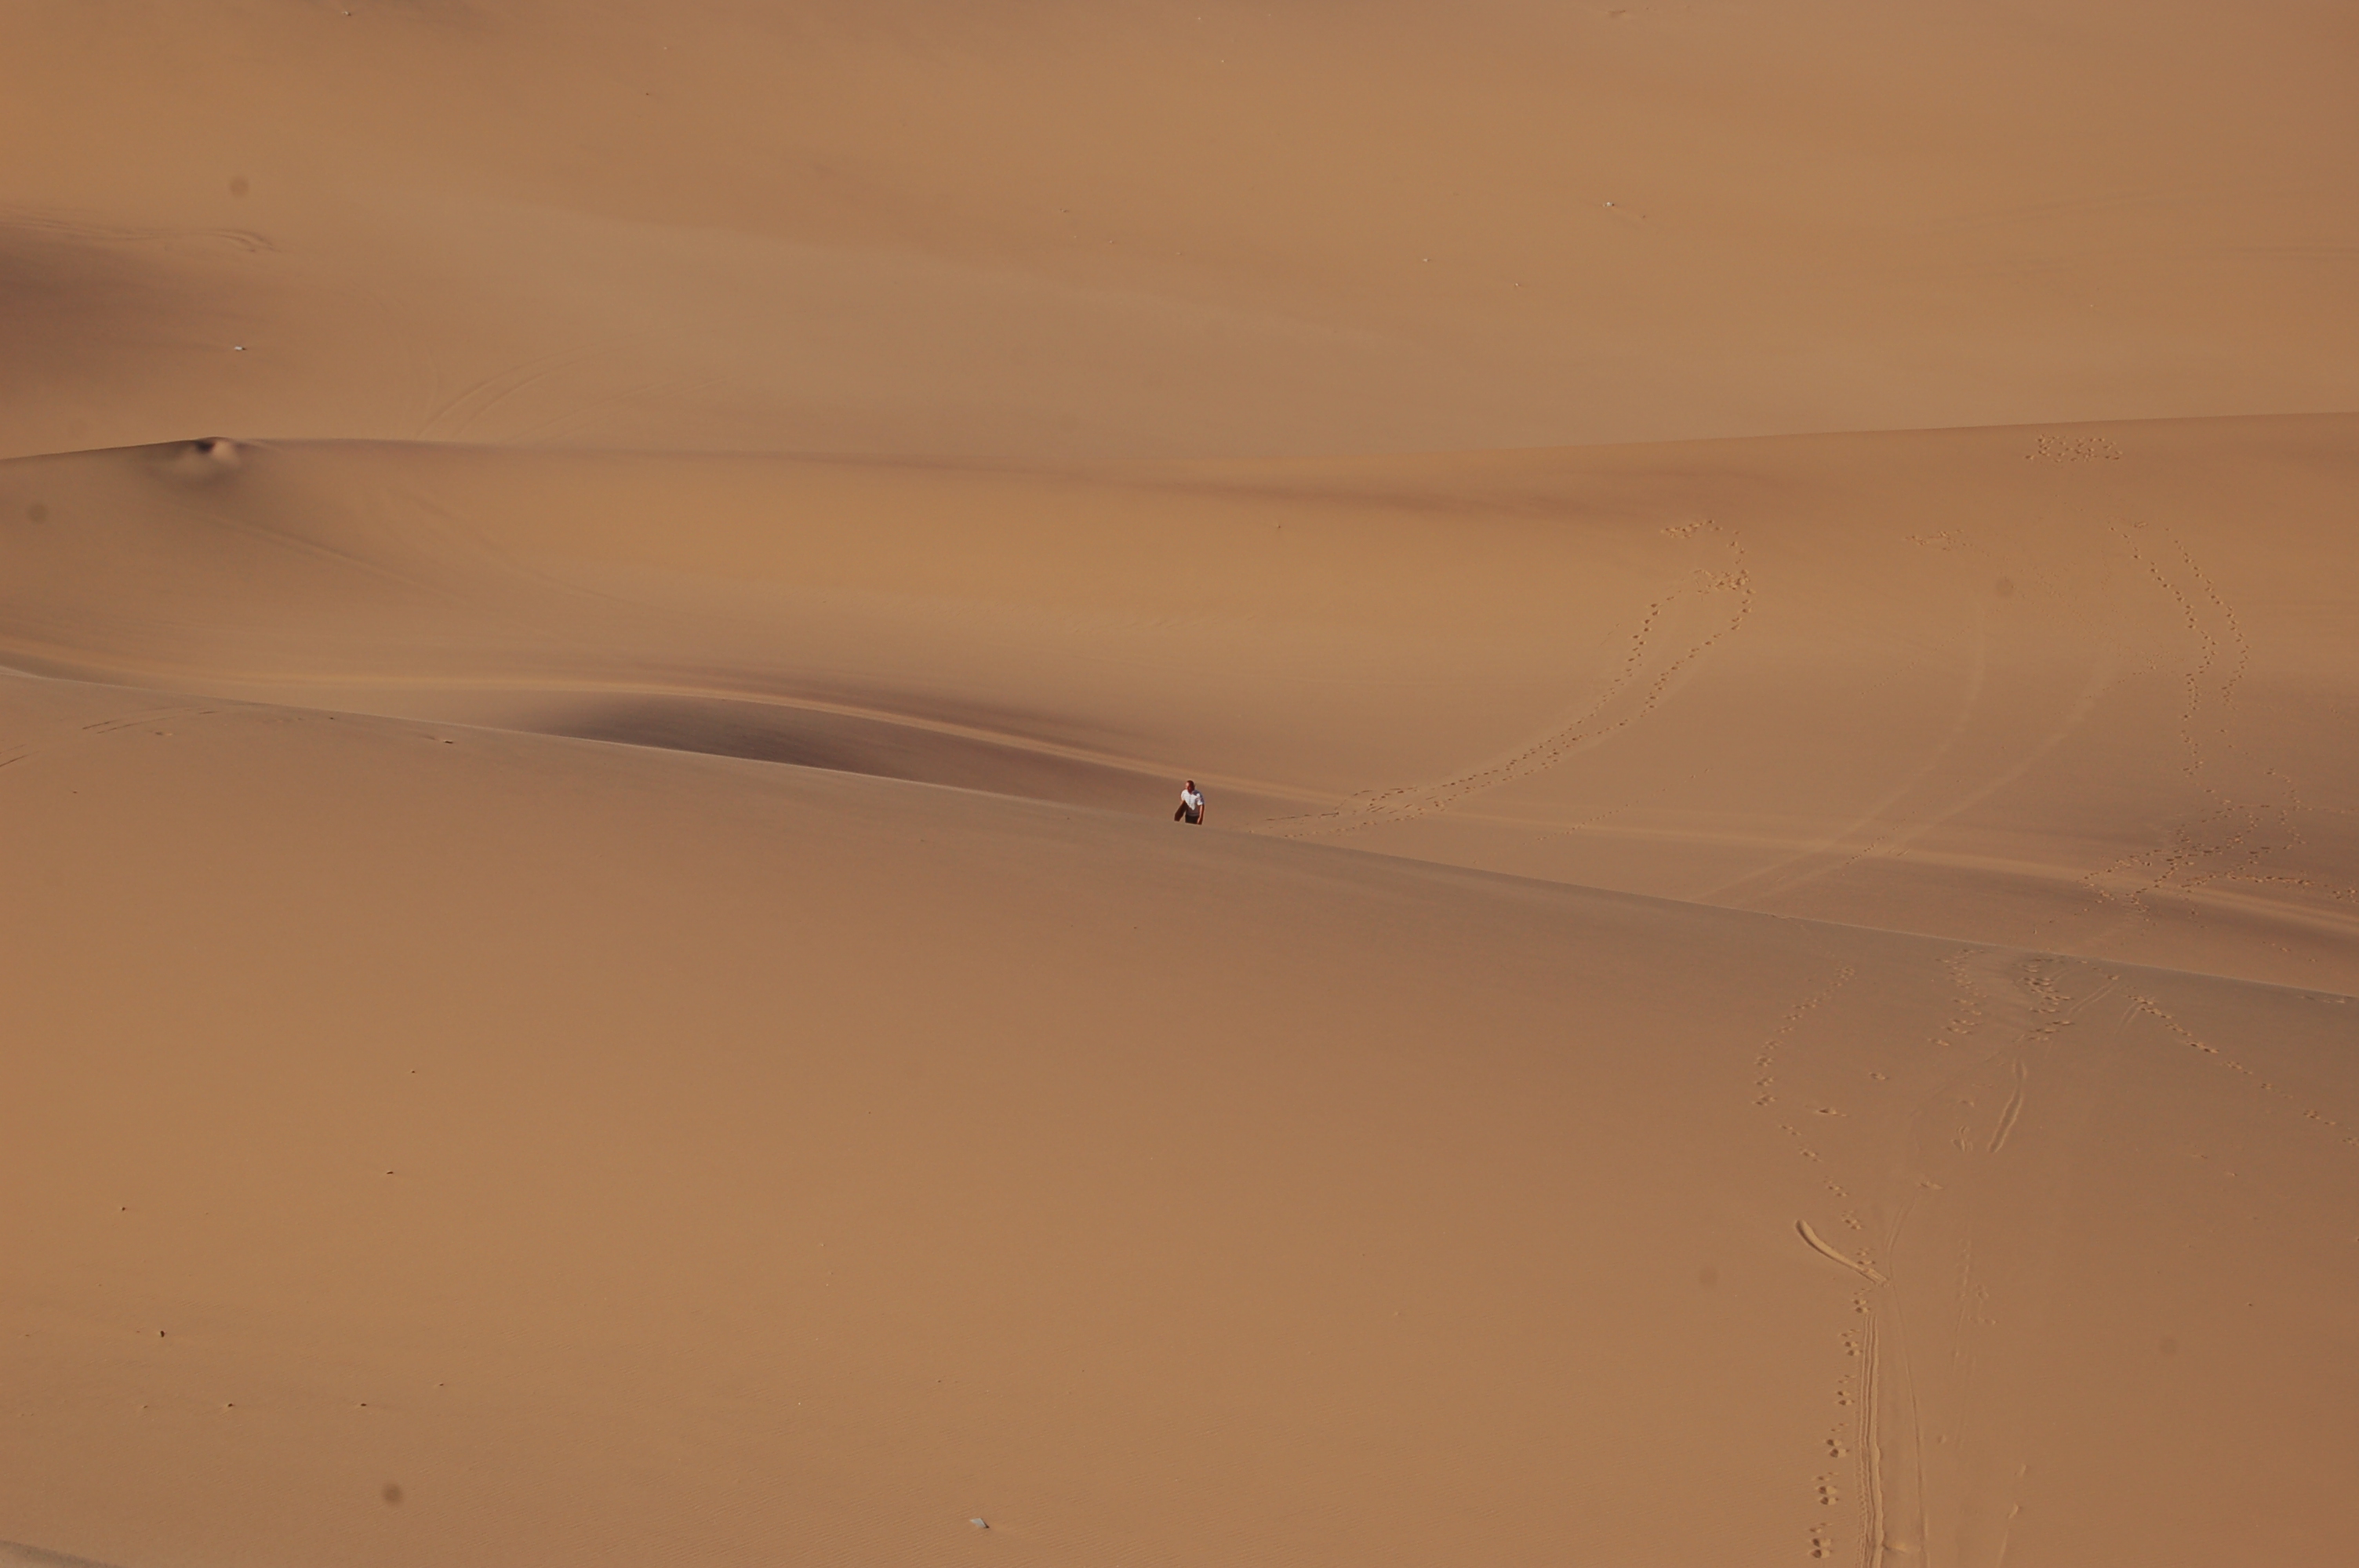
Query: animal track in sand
{"type": "Point", "coordinates": [1825, 1249]}
{"type": "Point", "coordinates": [1969, 1016]}
{"type": "Point", "coordinates": [2235, 840]}
{"type": "Point", "coordinates": [1766, 1060]}
{"type": "Point", "coordinates": [2073, 450]}
{"type": "Point", "coordinates": [1859, 1389]}
{"type": "Point", "coordinates": [1888, 1396]}
{"type": "Point", "coordinates": [2148, 1007]}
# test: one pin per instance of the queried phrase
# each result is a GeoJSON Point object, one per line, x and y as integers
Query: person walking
{"type": "Point", "coordinates": [1192, 804]}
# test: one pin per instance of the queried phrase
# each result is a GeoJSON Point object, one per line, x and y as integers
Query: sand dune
{"type": "Point", "coordinates": [410, 1118]}
{"type": "Point", "coordinates": [1165, 230]}
{"type": "Point", "coordinates": [1871, 679]}
{"type": "Point", "coordinates": [601, 610]}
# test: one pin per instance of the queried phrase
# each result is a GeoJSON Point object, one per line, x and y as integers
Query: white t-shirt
{"type": "Point", "coordinates": [1193, 799]}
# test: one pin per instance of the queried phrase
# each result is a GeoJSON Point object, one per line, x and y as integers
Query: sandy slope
{"type": "Point", "coordinates": [403, 1112]}
{"type": "Point", "coordinates": [601, 605]}
{"type": "Point", "coordinates": [1165, 229]}
{"type": "Point", "coordinates": [2087, 689]}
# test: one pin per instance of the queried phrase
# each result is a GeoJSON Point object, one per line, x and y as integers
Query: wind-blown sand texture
{"type": "Point", "coordinates": [603, 608]}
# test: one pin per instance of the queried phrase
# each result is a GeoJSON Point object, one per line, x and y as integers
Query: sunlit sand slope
{"type": "Point", "coordinates": [2087, 690]}
{"type": "Point", "coordinates": [1165, 229]}
{"type": "Point", "coordinates": [437, 1145]}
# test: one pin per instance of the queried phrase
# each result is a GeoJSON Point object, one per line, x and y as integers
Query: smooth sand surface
{"type": "Point", "coordinates": [1167, 230]}
{"type": "Point", "coordinates": [410, 1114]}
{"type": "Point", "coordinates": [601, 608]}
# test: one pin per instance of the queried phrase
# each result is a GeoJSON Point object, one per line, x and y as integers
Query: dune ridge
{"type": "Point", "coordinates": [1950, 630]}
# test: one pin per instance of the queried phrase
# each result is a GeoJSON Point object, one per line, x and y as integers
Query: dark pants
{"type": "Point", "coordinates": [1184, 814]}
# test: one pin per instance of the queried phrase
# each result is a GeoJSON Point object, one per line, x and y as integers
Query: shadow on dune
{"type": "Point", "coordinates": [15, 1551]}
{"type": "Point", "coordinates": [770, 732]}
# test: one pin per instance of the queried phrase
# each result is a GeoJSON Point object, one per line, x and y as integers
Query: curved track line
{"type": "Point", "coordinates": [1820, 1245]}
{"type": "Point", "coordinates": [1411, 801]}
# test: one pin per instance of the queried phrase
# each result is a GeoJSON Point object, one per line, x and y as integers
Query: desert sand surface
{"type": "Point", "coordinates": [601, 609]}
{"type": "Point", "coordinates": [1046, 229]}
